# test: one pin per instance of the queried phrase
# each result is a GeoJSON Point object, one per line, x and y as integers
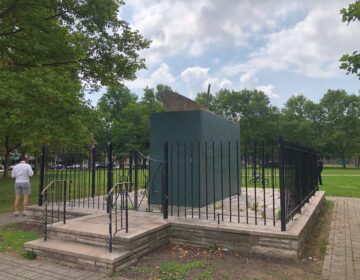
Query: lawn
{"type": "Point", "coordinates": [14, 236]}
{"type": "Point", "coordinates": [79, 188]}
{"type": "Point", "coordinates": [336, 182]}
{"type": "Point", "coordinates": [341, 171]}
{"type": "Point", "coordinates": [7, 193]}
{"type": "Point", "coordinates": [341, 182]}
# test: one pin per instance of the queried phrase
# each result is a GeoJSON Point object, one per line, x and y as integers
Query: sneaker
{"type": "Point", "coordinates": [16, 213]}
{"type": "Point", "coordinates": [26, 213]}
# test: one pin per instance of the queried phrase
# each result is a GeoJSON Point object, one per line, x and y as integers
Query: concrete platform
{"type": "Point", "coordinates": [79, 255]}
{"type": "Point", "coordinates": [83, 240]}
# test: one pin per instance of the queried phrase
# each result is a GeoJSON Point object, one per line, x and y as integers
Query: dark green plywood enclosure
{"type": "Point", "coordinates": [203, 157]}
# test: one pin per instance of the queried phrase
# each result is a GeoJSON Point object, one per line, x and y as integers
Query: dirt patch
{"type": "Point", "coordinates": [24, 226]}
{"type": "Point", "coordinates": [184, 262]}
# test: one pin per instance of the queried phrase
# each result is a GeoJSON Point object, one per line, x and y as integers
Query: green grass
{"type": "Point", "coordinates": [333, 185]}
{"type": "Point", "coordinates": [12, 240]}
{"type": "Point", "coordinates": [339, 165]}
{"type": "Point", "coordinates": [177, 270]}
{"type": "Point", "coordinates": [7, 193]}
{"type": "Point", "coordinates": [79, 180]}
{"type": "Point", "coordinates": [340, 171]}
{"type": "Point", "coordinates": [341, 185]}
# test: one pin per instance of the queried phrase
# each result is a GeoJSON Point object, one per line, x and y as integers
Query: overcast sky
{"type": "Point", "coordinates": [281, 47]}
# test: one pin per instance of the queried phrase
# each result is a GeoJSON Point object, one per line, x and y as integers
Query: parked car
{"type": "Point", "coordinates": [100, 165]}
{"type": "Point", "coordinates": [73, 166]}
{"type": "Point", "coordinates": [58, 166]}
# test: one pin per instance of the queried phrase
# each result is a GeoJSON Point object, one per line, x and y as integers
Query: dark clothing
{"type": "Point", "coordinates": [320, 167]}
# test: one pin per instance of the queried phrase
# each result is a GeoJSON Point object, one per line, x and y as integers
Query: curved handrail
{"type": "Point", "coordinates": [113, 188]}
{"type": "Point", "coordinates": [49, 185]}
{"type": "Point", "coordinates": [111, 204]}
{"type": "Point", "coordinates": [44, 192]}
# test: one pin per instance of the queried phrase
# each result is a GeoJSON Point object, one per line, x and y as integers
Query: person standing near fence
{"type": "Point", "coordinates": [21, 172]}
{"type": "Point", "coordinates": [320, 167]}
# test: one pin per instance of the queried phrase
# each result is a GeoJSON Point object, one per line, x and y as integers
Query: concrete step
{"type": "Point", "coordinates": [98, 235]}
{"type": "Point", "coordinates": [82, 256]}
{"type": "Point", "coordinates": [81, 237]}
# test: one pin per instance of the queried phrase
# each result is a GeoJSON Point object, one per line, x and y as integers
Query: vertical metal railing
{"type": "Point", "coordinates": [165, 196]}
{"type": "Point", "coordinates": [117, 201]}
{"type": "Point", "coordinates": [227, 182]}
{"type": "Point", "coordinates": [298, 178]}
{"type": "Point", "coordinates": [58, 199]}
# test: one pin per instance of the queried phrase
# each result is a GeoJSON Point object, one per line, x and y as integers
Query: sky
{"type": "Point", "coordinates": [281, 47]}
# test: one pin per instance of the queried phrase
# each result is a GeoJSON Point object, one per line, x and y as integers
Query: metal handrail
{"type": "Point", "coordinates": [45, 192]}
{"type": "Point", "coordinates": [114, 187]}
{"type": "Point", "coordinates": [111, 204]}
{"type": "Point", "coordinates": [49, 185]}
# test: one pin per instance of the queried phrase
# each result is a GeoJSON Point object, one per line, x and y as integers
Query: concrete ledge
{"type": "Point", "coordinates": [272, 243]}
{"type": "Point", "coordinates": [83, 241]}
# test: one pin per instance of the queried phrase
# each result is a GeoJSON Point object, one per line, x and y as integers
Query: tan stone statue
{"type": "Point", "coordinates": [173, 101]}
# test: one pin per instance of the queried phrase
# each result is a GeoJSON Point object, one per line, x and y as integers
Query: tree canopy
{"type": "Point", "coordinates": [252, 108]}
{"type": "Point", "coordinates": [351, 62]}
{"type": "Point", "coordinates": [42, 106]}
{"type": "Point", "coordinates": [331, 126]}
{"type": "Point", "coordinates": [125, 120]}
{"type": "Point", "coordinates": [84, 36]}
{"type": "Point", "coordinates": [50, 52]}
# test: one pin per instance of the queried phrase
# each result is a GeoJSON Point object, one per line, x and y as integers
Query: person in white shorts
{"type": "Point", "coordinates": [21, 172]}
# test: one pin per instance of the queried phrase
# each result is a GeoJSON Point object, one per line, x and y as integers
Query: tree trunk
{"type": "Point", "coordinates": [7, 157]}
{"type": "Point", "coordinates": [343, 160]}
{"type": "Point", "coordinates": [36, 165]}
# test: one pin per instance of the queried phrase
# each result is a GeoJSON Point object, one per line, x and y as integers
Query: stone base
{"type": "Point", "coordinates": [83, 241]}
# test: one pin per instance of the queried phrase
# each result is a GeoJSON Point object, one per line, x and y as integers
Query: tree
{"type": "Point", "coordinates": [42, 106]}
{"type": "Point", "coordinates": [351, 63]}
{"type": "Point", "coordinates": [341, 120]}
{"type": "Point", "coordinates": [110, 109]}
{"type": "Point", "coordinates": [84, 36]}
{"type": "Point", "coordinates": [205, 100]}
{"type": "Point", "coordinates": [258, 118]}
{"type": "Point", "coordinates": [126, 121]}
{"type": "Point", "coordinates": [299, 121]}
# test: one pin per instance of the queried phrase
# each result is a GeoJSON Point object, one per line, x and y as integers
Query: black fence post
{"type": "Point", "coordinates": [282, 184]}
{"type": "Point", "coordinates": [126, 208]}
{"type": "Point", "coordinates": [136, 165]}
{"type": "Point", "coordinates": [109, 174]}
{"type": "Point", "coordinates": [254, 177]}
{"type": "Point", "coordinates": [131, 170]}
{"type": "Point", "coordinates": [42, 173]}
{"type": "Point", "coordinates": [165, 180]}
{"type": "Point", "coordinates": [299, 176]}
{"type": "Point", "coordinates": [93, 170]}
{"type": "Point", "coordinates": [64, 202]}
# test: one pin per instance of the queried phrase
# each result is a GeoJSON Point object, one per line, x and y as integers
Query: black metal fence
{"type": "Point", "coordinates": [252, 184]}
{"type": "Point", "coordinates": [91, 174]}
{"type": "Point", "coordinates": [222, 181]}
{"type": "Point", "coordinates": [298, 178]}
{"type": "Point", "coordinates": [84, 177]}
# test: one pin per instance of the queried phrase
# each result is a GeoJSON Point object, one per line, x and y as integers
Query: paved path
{"type": "Point", "coordinates": [16, 267]}
{"type": "Point", "coordinates": [342, 259]}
